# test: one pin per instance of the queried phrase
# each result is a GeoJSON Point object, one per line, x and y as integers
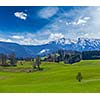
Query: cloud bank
{"type": "Point", "coordinates": [79, 22]}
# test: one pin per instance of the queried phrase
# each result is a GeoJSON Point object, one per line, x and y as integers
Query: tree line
{"type": "Point", "coordinates": [70, 57]}
{"type": "Point", "coordinates": [67, 56]}
{"type": "Point", "coordinates": [8, 60]}
{"type": "Point", "coordinates": [89, 55]}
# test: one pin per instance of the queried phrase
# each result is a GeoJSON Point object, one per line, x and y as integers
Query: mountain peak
{"type": "Point", "coordinates": [81, 44]}
{"type": "Point", "coordinates": [64, 41]}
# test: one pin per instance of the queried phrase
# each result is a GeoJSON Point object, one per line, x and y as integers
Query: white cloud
{"type": "Point", "coordinates": [86, 18]}
{"type": "Point", "coordinates": [81, 21]}
{"type": "Point", "coordinates": [21, 15]}
{"type": "Point", "coordinates": [28, 38]}
{"type": "Point", "coordinates": [80, 25]}
{"type": "Point", "coordinates": [38, 39]}
{"type": "Point", "coordinates": [56, 36]}
{"type": "Point", "coordinates": [76, 23]}
{"type": "Point", "coordinates": [17, 37]}
{"type": "Point", "coordinates": [5, 40]}
{"type": "Point", "coordinates": [48, 12]}
{"type": "Point", "coordinates": [33, 39]}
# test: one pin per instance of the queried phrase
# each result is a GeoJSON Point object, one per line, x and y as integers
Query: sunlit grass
{"type": "Point", "coordinates": [55, 78]}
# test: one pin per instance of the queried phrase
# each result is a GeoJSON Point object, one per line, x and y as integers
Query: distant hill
{"type": "Point", "coordinates": [8, 48]}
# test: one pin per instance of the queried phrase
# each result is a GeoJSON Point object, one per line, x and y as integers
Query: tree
{"type": "Point", "coordinates": [34, 64]}
{"type": "Point", "coordinates": [91, 54]}
{"type": "Point", "coordinates": [79, 76]}
{"type": "Point", "coordinates": [72, 58]}
{"type": "Point", "coordinates": [49, 58]}
{"type": "Point", "coordinates": [66, 58]}
{"type": "Point", "coordinates": [12, 58]}
{"type": "Point", "coordinates": [3, 58]}
{"type": "Point", "coordinates": [21, 62]}
{"type": "Point", "coordinates": [38, 62]}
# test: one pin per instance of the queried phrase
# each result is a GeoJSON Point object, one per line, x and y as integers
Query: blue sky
{"type": "Point", "coordinates": [35, 25]}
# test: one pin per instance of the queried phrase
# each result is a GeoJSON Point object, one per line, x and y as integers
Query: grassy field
{"type": "Point", "coordinates": [55, 78]}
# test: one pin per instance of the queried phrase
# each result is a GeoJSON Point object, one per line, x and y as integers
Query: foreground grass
{"type": "Point", "coordinates": [55, 78]}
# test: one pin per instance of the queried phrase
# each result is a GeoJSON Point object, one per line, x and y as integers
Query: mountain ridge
{"type": "Point", "coordinates": [81, 44]}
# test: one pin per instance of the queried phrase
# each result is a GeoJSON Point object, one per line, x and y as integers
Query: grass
{"type": "Point", "coordinates": [55, 78]}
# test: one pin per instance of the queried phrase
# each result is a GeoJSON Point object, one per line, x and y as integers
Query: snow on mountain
{"type": "Point", "coordinates": [64, 41]}
{"type": "Point", "coordinates": [44, 51]}
{"type": "Point", "coordinates": [88, 44]}
{"type": "Point", "coordinates": [81, 44]}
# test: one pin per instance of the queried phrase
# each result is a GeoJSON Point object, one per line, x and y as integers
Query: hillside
{"type": "Point", "coordinates": [56, 78]}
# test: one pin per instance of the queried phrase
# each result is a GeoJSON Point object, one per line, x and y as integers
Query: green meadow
{"type": "Point", "coordinates": [55, 78]}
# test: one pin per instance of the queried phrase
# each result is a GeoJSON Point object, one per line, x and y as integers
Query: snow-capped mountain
{"type": "Point", "coordinates": [88, 44]}
{"type": "Point", "coordinates": [81, 44]}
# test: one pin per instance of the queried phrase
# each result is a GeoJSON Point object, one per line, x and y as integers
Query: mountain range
{"type": "Point", "coordinates": [81, 44]}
